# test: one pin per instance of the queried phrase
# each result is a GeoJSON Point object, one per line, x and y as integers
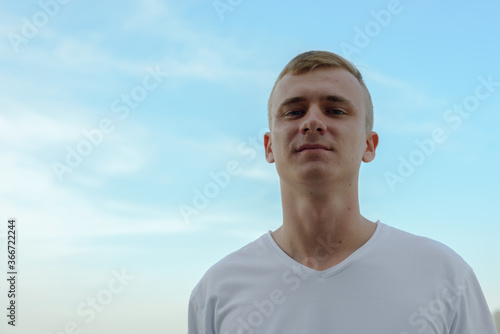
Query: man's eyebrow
{"type": "Point", "coordinates": [291, 100]}
{"type": "Point", "coordinates": [331, 98]}
{"type": "Point", "coordinates": [338, 98]}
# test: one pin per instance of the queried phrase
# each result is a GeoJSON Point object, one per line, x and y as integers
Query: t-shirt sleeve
{"type": "Point", "coordinates": [472, 314]}
{"type": "Point", "coordinates": [199, 320]}
{"type": "Point", "coordinates": [196, 323]}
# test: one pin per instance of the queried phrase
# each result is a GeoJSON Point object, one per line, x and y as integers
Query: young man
{"type": "Point", "coordinates": [328, 269]}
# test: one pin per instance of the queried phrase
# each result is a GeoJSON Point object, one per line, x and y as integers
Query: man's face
{"type": "Point", "coordinates": [318, 127]}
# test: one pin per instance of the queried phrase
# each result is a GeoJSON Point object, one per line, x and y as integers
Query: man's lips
{"type": "Point", "coordinates": [312, 147]}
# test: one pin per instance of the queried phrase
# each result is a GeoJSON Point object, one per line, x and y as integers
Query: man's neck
{"type": "Point", "coordinates": [321, 228]}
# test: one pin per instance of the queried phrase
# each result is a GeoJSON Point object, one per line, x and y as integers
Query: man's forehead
{"type": "Point", "coordinates": [327, 81]}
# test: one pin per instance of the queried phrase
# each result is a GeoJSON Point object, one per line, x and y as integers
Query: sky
{"type": "Point", "coordinates": [131, 134]}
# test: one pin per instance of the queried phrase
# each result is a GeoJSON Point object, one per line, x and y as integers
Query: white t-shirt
{"type": "Point", "coordinates": [396, 283]}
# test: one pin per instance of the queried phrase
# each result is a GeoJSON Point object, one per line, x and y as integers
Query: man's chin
{"type": "Point", "coordinates": [315, 174]}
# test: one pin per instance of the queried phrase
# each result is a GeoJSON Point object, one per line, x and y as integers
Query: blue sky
{"type": "Point", "coordinates": [131, 141]}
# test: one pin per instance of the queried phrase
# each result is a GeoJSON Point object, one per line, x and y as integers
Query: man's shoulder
{"type": "Point", "coordinates": [422, 243]}
{"type": "Point", "coordinates": [251, 251]}
{"type": "Point", "coordinates": [422, 249]}
{"type": "Point", "coordinates": [241, 262]}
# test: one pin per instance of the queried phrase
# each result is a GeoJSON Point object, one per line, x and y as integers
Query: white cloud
{"type": "Point", "coordinates": [25, 128]}
{"type": "Point", "coordinates": [48, 209]}
{"type": "Point", "coordinates": [204, 55]}
{"type": "Point", "coordinates": [261, 172]}
{"type": "Point", "coordinates": [22, 177]}
{"type": "Point", "coordinates": [124, 152]}
{"type": "Point", "coordinates": [147, 12]}
{"type": "Point", "coordinates": [65, 214]}
{"type": "Point", "coordinates": [86, 57]}
{"type": "Point", "coordinates": [402, 108]}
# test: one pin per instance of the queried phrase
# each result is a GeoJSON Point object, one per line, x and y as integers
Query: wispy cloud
{"type": "Point", "coordinates": [401, 107]}
{"type": "Point", "coordinates": [259, 171]}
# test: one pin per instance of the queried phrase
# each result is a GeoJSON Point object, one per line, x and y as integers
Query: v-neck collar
{"type": "Point", "coordinates": [332, 270]}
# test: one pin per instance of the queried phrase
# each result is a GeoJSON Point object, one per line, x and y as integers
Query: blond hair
{"type": "Point", "coordinates": [308, 61]}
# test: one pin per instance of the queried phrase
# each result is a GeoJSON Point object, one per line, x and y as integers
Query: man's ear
{"type": "Point", "coordinates": [268, 147]}
{"type": "Point", "coordinates": [371, 146]}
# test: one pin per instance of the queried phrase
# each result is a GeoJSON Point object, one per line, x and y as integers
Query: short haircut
{"type": "Point", "coordinates": [310, 60]}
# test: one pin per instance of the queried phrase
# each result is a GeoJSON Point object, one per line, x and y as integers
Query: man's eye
{"type": "Point", "coordinates": [335, 112]}
{"type": "Point", "coordinates": [294, 113]}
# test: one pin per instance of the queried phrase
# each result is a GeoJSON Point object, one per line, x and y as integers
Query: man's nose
{"type": "Point", "coordinates": [313, 121]}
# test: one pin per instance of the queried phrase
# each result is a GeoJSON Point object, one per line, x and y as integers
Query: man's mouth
{"type": "Point", "coordinates": [312, 147]}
